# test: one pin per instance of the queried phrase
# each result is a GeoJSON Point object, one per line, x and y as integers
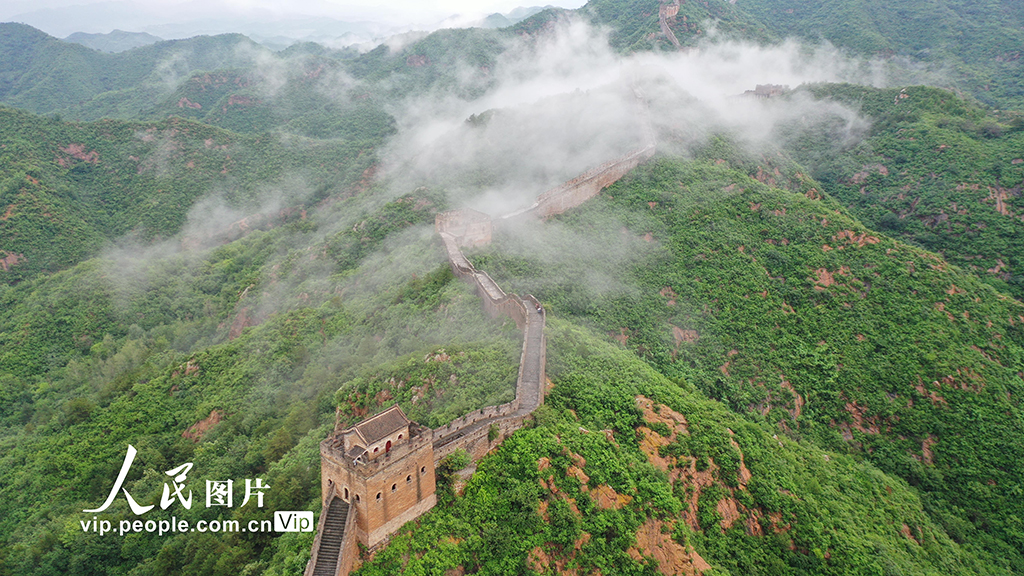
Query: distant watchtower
{"type": "Point", "coordinates": [378, 474]}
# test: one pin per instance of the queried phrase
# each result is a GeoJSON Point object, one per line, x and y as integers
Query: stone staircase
{"type": "Point", "coordinates": [333, 532]}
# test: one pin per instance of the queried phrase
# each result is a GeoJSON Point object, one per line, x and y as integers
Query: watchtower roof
{"type": "Point", "coordinates": [382, 425]}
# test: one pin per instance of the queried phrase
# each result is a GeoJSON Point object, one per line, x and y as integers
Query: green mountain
{"type": "Point", "coordinates": [89, 184]}
{"type": "Point", "coordinates": [975, 44]}
{"type": "Point", "coordinates": [42, 74]}
{"type": "Point", "coordinates": [791, 312]}
{"type": "Point", "coordinates": [116, 41]}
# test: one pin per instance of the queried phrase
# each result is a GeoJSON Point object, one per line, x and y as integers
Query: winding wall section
{"type": "Point", "coordinates": [335, 547]}
{"type": "Point", "coordinates": [458, 228]}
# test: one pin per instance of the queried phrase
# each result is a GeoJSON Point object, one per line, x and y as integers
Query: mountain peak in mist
{"type": "Point", "coordinates": [115, 41]}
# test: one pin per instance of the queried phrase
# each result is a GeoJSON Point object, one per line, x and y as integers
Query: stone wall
{"type": "Point", "coordinates": [468, 227]}
{"type": "Point", "coordinates": [472, 431]}
{"type": "Point", "coordinates": [476, 440]}
{"type": "Point", "coordinates": [585, 186]}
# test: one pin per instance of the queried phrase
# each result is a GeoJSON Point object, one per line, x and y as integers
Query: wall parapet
{"type": "Point", "coordinates": [577, 191]}
{"type": "Point", "coordinates": [332, 447]}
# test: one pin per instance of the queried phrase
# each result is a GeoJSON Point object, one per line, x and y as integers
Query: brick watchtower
{"type": "Point", "coordinates": [383, 470]}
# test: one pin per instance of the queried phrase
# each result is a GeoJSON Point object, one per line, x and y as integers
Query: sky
{"type": "Point", "coordinates": [177, 18]}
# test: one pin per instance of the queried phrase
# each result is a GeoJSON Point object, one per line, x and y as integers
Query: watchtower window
{"type": "Point", "coordinates": [346, 494]}
{"type": "Point", "coordinates": [375, 450]}
{"type": "Point", "coordinates": [357, 497]}
{"type": "Point", "coordinates": [394, 487]}
{"type": "Point", "coordinates": [378, 496]}
{"type": "Point", "coordinates": [399, 436]}
{"type": "Point", "coordinates": [408, 478]}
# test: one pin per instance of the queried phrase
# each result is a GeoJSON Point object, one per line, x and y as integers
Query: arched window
{"type": "Point", "coordinates": [399, 436]}
{"type": "Point", "coordinates": [375, 450]}
{"type": "Point", "coordinates": [357, 497]}
{"type": "Point", "coordinates": [394, 487]}
{"type": "Point", "coordinates": [346, 494]}
{"type": "Point", "coordinates": [408, 479]}
{"type": "Point", "coordinates": [423, 469]}
{"type": "Point", "coordinates": [387, 448]}
{"type": "Point", "coordinates": [378, 496]}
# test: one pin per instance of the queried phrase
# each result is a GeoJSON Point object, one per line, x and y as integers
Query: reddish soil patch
{"type": "Point", "coordinates": [650, 443]}
{"type": "Point", "coordinates": [236, 100]}
{"type": "Point", "coordinates": [241, 322]}
{"type": "Point", "coordinates": [859, 420]}
{"type": "Point", "coordinates": [729, 510]}
{"type": "Point", "coordinates": [753, 524]}
{"type": "Point", "coordinates": [78, 151]}
{"type": "Point", "coordinates": [824, 279]}
{"type": "Point", "coordinates": [725, 367]}
{"type": "Point", "coordinates": [860, 240]}
{"type": "Point", "coordinates": [607, 498]}
{"type": "Point", "coordinates": [654, 539]}
{"type": "Point", "coordinates": [744, 474]}
{"type": "Point", "coordinates": [190, 368]}
{"type": "Point", "coordinates": [680, 335]}
{"type": "Point", "coordinates": [667, 292]}
{"type": "Point", "coordinates": [186, 103]}
{"type": "Point", "coordinates": [199, 429]}
{"type": "Point", "coordinates": [578, 474]}
{"type": "Point", "coordinates": [906, 531]}
{"type": "Point", "coordinates": [798, 400]}
{"type": "Point", "coordinates": [928, 457]}
{"type": "Point", "coordinates": [935, 398]}
{"type": "Point", "coordinates": [10, 259]}
{"type": "Point", "coordinates": [1000, 195]}
{"type": "Point", "coordinates": [866, 171]}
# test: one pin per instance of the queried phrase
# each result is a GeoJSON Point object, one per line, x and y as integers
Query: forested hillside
{"type": "Point", "coordinates": [935, 171]}
{"type": "Point", "coordinates": [790, 343]}
{"type": "Point", "coordinates": [87, 185]}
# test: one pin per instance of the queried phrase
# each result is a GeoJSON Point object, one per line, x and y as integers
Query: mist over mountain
{"type": "Point", "coordinates": [789, 339]}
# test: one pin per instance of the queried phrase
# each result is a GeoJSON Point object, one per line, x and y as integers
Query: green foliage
{"type": "Point", "coordinates": [89, 184]}
{"type": "Point", "coordinates": [635, 25]}
{"type": "Point", "coordinates": [976, 41]}
{"type": "Point", "coordinates": [43, 74]}
{"type": "Point", "coordinates": [99, 356]}
{"type": "Point", "coordinates": [543, 484]}
{"type": "Point", "coordinates": [801, 318]}
{"type": "Point", "coordinates": [935, 170]}
{"type": "Point", "coordinates": [437, 385]}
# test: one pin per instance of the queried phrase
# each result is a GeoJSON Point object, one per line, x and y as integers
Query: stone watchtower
{"type": "Point", "coordinates": [375, 476]}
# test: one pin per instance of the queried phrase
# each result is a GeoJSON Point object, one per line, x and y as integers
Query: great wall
{"type": "Point", "coordinates": [379, 474]}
